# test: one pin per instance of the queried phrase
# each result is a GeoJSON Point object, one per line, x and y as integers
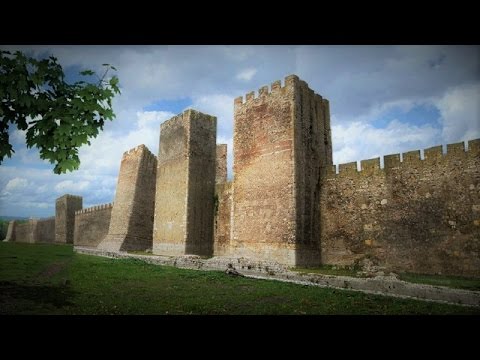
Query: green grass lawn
{"type": "Point", "coordinates": [52, 279]}
{"type": "Point", "coordinates": [456, 282]}
{"type": "Point", "coordinates": [441, 280]}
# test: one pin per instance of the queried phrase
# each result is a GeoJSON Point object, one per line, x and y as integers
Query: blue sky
{"type": "Point", "coordinates": [383, 100]}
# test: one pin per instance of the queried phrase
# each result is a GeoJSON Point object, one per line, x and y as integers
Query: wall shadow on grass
{"type": "Point", "coordinates": [33, 298]}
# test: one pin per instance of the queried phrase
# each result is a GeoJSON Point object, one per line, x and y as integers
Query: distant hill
{"type": "Point", "coordinates": [9, 218]}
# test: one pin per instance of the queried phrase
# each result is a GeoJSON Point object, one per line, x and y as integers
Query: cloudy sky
{"type": "Point", "coordinates": [383, 100]}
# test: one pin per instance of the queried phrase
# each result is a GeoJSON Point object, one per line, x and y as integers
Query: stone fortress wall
{"type": "Point", "coordinates": [33, 231]}
{"type": "Point", "coordinates": [286, 202]}
{"type": "Point", "coordinates": [221, 164]}
{"type": "Point", "coordinates": [65, 207]}
{"type": "Point", "coordinates": [92, 225]}
{"type": "Point", "coordinates": [184, 198]}
{"type": "Point", "coordinates": [281, 140]}
{"type": "Point", "coordinates": [131, 221]}
{"type": "Point", "coordinates": [413, 215]}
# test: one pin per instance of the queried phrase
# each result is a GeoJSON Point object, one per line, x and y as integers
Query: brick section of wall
{"type": "Point", "coordinates": [169, 229]}
{"type": "Point", "coordinates": [419, 216]}
{"type": "Point", "coordinates": [24, 233]}
{"type": "Point", "coordinates": [281, 138]}
{"type": "Point", "coordinates": [131, 223]}
{"type": "Point", "coordinates": [313, 153]}
{"type": "Point", "coordinates": [185, 185]}
{"type": "Point", "coordinates": [45, 231]}
{"type": "Point", "coordinates": [34, 231]}
{"type": "Point", "coordinates": [65, 207]}
{"type": "Point", "coordinates": [201, 183]}
{"type": "Point", "coordinates": [92, 224]}
{"type": "Point", "coordinates": [221, 167]}
{"type": "Point", "coordinates": [222, 219]}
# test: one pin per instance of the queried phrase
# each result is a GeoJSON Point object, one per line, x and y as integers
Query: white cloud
{"type": "Point", "coordinates": [219, 105]}
{"type": "Point", "coordinates": [356, 78]}
{"type": "Point", "coordinates": [41, 189]}
{"type": "Point", "coordinates": [16, 184]}
{"type": "Point", "coordinates": [362, 83]}
{"type": "Point", "coordinates": [460, 113]}
{"type": "Point", "coordinates": [361, 141]}
{"type": "Point", "coordinates": [104, 154]}
{"type": "Point", "coordinates": [39, 205]}
{"type": "Point", "coordinates": [29, 156]}
{"type": "Point", "coordinates": [95, 180]}
{"type": "Point", "coordinates": [246, 74]}
{"type": "Point", "coordinates": [69, 185]}
{"type": "Point", "coordinates": [152, 119]}
{"type": "Point", "coordinates": [18, 136]}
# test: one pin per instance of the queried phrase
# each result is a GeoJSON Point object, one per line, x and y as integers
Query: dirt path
{"type": "Point", "coordinates": [52, 270]}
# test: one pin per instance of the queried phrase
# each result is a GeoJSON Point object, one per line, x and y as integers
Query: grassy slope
{"type": "Point", "coordinates": [457, 282]}
{"type": "Point", "coordinates": [51, 279]}
{"type": "Point", "coordinates": [439, 280]}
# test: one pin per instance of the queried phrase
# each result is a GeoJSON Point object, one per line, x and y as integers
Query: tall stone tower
{"type": "Point", "coordinates": [131, 224]}
{"type": "Point", "coordinates": [11, 231]}
{"type": "Point", "coordinates": [65, 207]}
{"type": "Point", "coordinates": [221, 164]}
{"type": "Point", "coordinates": [184, 200]}
{"type": "Point", "coordinates": [282, 142]}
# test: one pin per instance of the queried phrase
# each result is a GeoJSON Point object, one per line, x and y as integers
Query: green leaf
{"type": "Point", "coordinates": [114, 81]}
{"type": "Point", "coordinates": [87, 72]}
{"type": "Point", "coordinates": [65, 115]}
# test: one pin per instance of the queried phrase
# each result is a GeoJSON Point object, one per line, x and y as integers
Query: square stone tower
{"type": "Point", "coordinates": [184, 200]}
{"type": "Point", "coordinates": [131, 223]}
{"type": "Point", "coordinates": [221, 172]}
{"type": "Point", "coordinates": [11, 231]}
{"type": "Point", "coordinates": [65, 207]}
{"type": "Point", "coordinates": [282, 143]}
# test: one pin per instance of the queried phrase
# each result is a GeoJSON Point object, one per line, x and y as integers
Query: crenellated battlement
{"type": "Point", "coordinates": [412, 158]}
{"type": "Point", "coordinates": [275, 88]}
{"type": "Point", "coordinates": [416, 211]}
{"type": "Point", "coordinates": [149, 160]}
{"type": "Point", "coordinates": [69, 196]}
{"type": "Point", "coordinates": [187, 115]}
{"type": "Point", "coordinates": [172, 122]}
{"type": "Point", "coordinates": [94, 208]}
{"type": "Point", "coordinates": [138, 150]}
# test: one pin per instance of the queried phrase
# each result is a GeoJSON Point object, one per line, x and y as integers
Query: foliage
{"type": "Point", "coordinates": [3, 229]}
{"type": "Point", "coordinates": [58, 117]}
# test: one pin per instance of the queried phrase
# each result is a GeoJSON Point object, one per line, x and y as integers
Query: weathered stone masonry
{"type": "Point", "coordinates": [281, 141]}
{"type": "Point", "coordinates": [184, 204]}
{"type": "Point", "coordinates": [65, 207]}
{"type": "Point", "coordinates": [419, 216]}
{"type": "Point", "coordinates": [11, 231]}
{"type": "Point", "coordinates": [286, 203]}
{"type": "Point", "coordinates": [131, 223]}
{"type": "Point", "coordinates": [221, 164]}
{"type": "Point", "coordinates": [222, 226]}
{"type": "Point", "coordinates": [33, 231]}
{"type": "Point", "coordinates": [48, 230]}
{"type": "Point", "coordinates": [92, 224]}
